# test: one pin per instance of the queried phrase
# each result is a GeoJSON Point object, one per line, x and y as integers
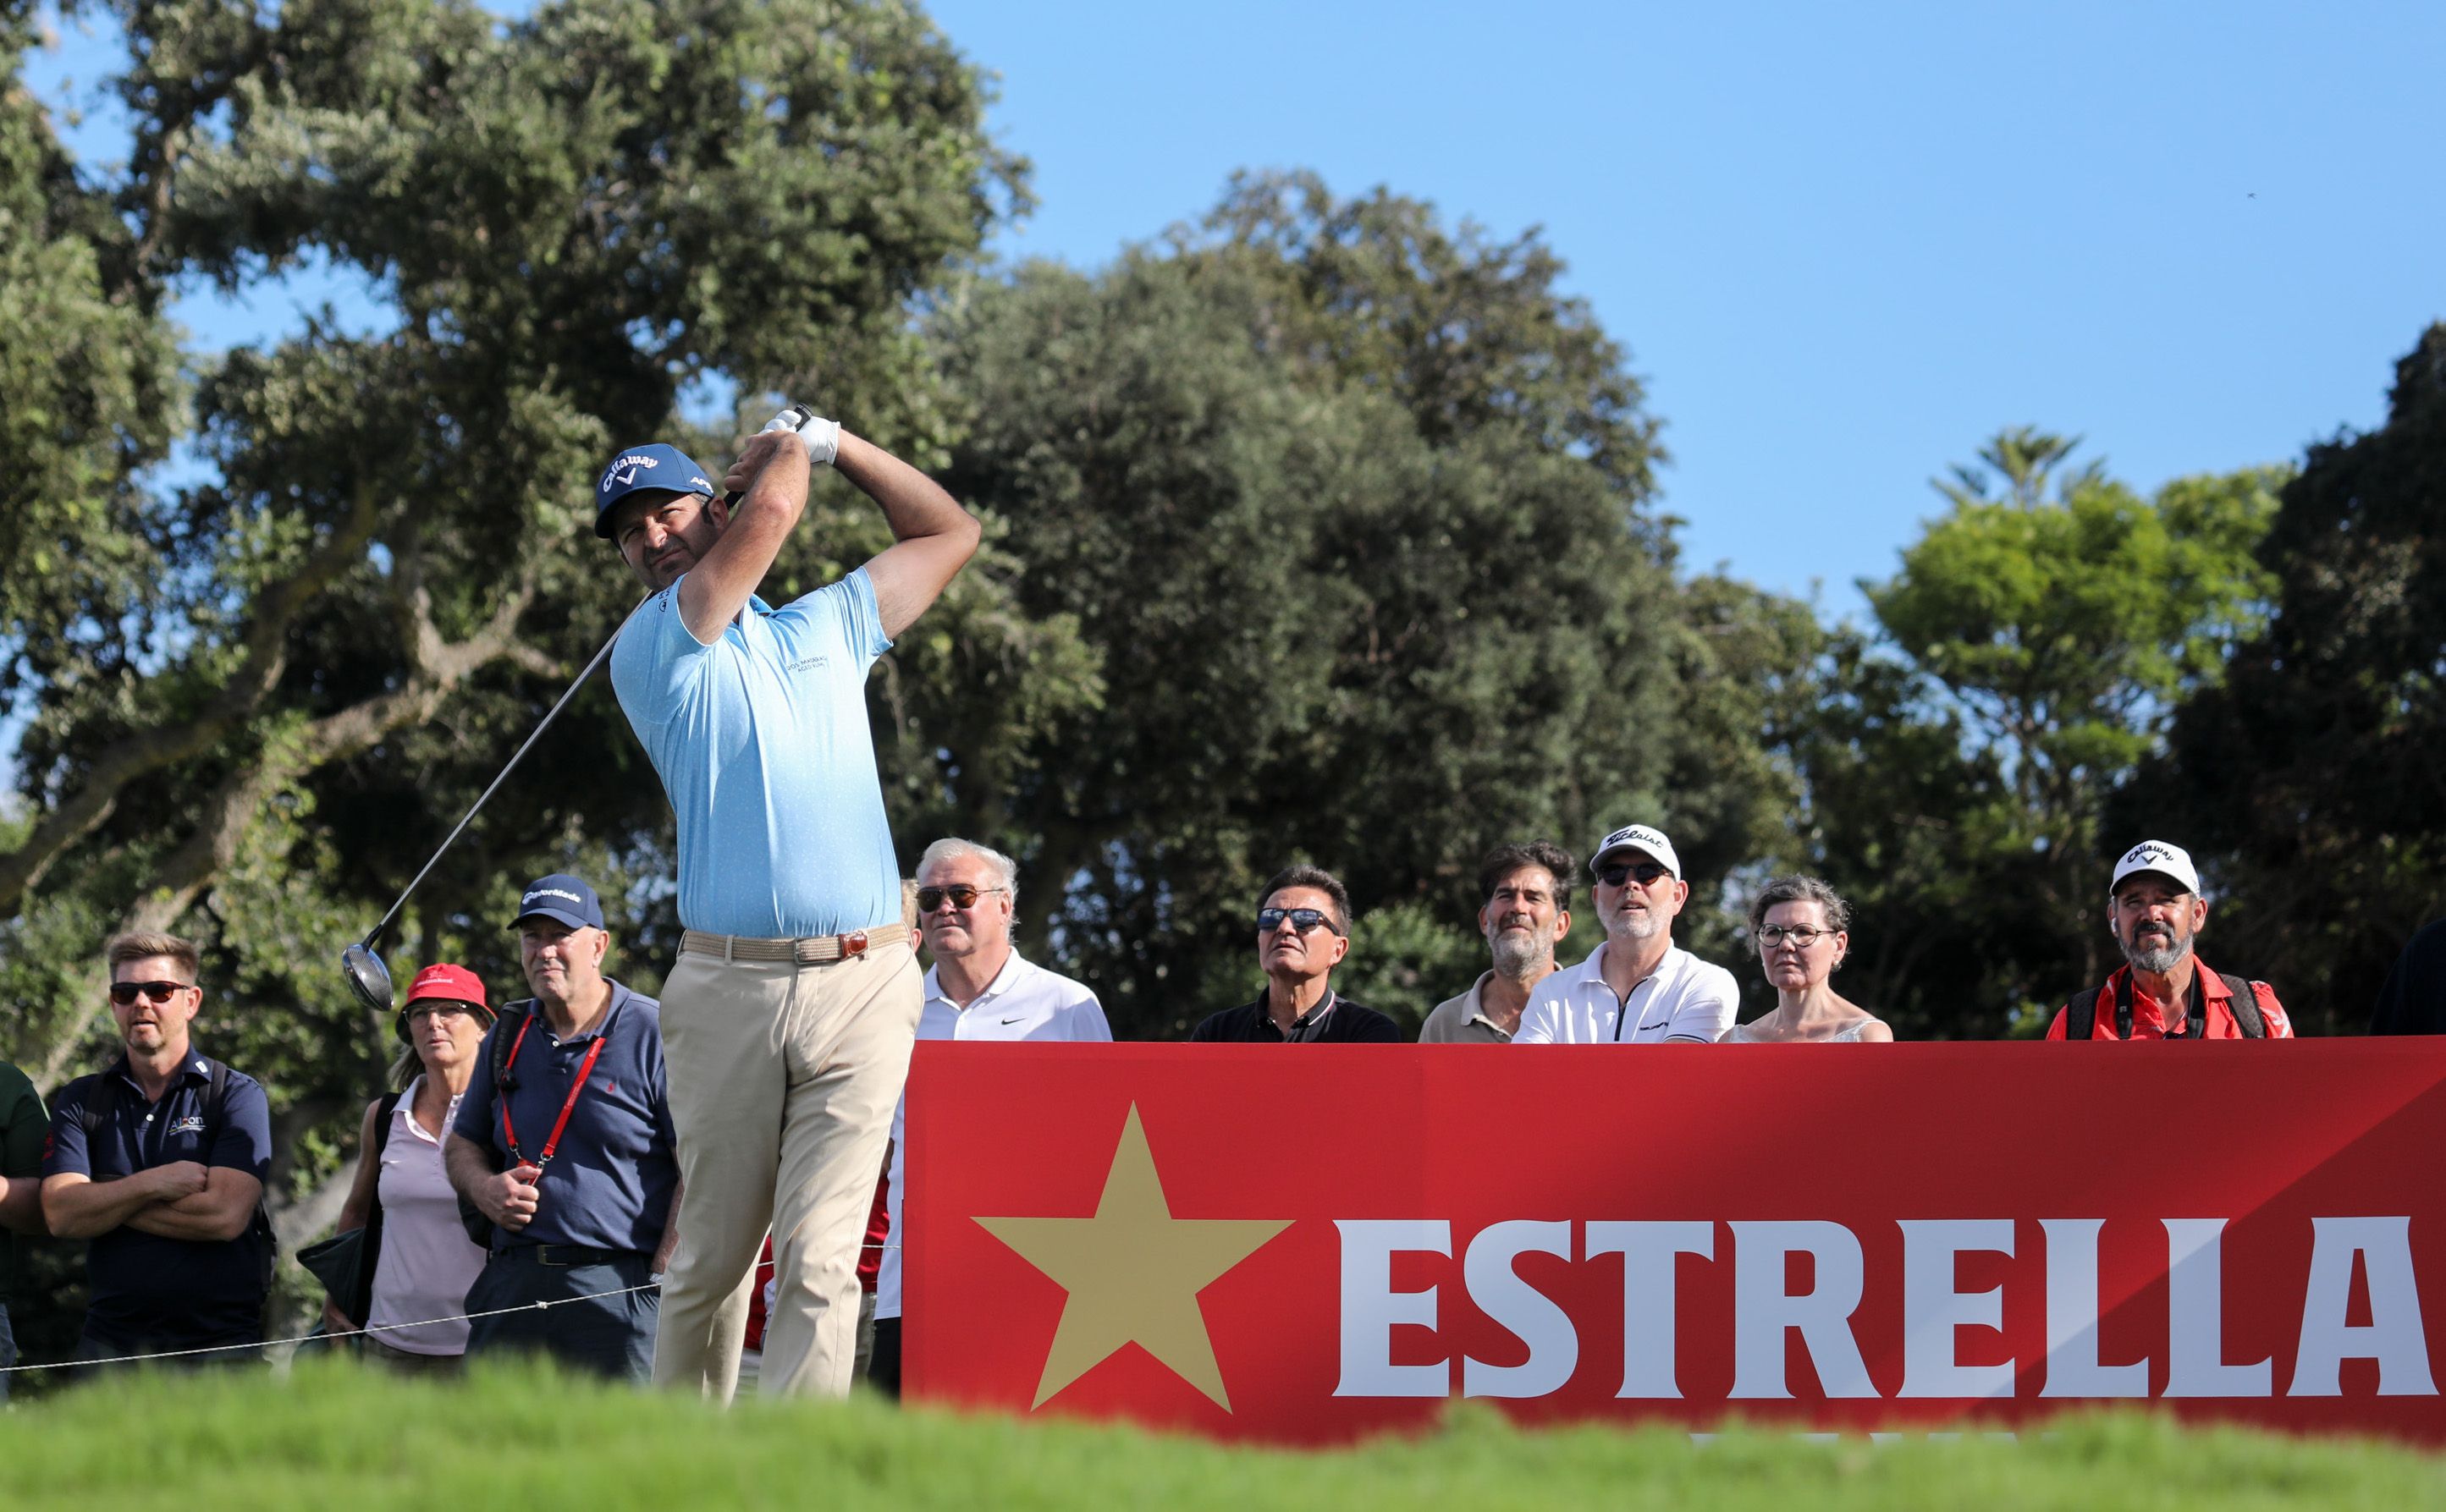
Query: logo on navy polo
{"type": "Point", "coordinates": [192, 1124]}
{"type": "Point", "coordinates": [624, 471]}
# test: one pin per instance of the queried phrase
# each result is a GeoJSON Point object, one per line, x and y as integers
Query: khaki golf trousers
{"type": "Point", "coordinates": [782, 1081]}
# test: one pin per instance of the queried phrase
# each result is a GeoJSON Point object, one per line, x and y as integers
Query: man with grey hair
{"type": "Point", "coordinates": [979, 988]}
{"type": "Point", "coordinates": [1638, 987]}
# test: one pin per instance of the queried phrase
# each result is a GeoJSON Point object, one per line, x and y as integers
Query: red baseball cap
{"type": "Point", "coordinates": [446, 983]}
{"type": "Point", "coordinates": [451, 983]}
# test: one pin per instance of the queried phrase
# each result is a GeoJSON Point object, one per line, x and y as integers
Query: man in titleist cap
{"type": "Point", "coordinates": [790, 1015]}
{"type": "Point", "coordinates": [2154, 911]}
{"type": "Point", "coordinates": [1638, 987]}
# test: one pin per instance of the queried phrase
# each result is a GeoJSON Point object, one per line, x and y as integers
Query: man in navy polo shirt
{"type": "Point", "coordinates": [568, 1152]}
{"type": "Point", "coordinates": [161, 1162]}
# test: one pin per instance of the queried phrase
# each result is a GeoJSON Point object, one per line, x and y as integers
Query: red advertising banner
{"type": "Point", "coordinates": [1311, 1243]}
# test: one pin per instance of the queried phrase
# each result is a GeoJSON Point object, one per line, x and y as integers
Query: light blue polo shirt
{"type": "Point", "coordinates": [762, 744]}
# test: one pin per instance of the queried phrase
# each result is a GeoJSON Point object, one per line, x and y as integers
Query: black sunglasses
{"type": "Point", "coordinates": [961, 894]}
{"type": "Point", "coordinates": [1644, 872]}
{"type": "Point", "coordinates": [123, 993]}
{"type": "Point", "coordinates": [1303, 920]}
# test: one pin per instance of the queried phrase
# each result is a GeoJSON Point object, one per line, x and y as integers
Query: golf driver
{"type": "Point", "coordinates": [361, 963]}
{"type": "Point", "coordinates": [367, 977]}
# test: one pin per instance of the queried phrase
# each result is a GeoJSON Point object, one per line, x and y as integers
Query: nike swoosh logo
{"type": "Point", "coordinates": [1014, 1021]}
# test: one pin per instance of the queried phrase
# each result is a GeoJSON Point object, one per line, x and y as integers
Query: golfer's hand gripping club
{"type": "Point", "coordinates": [820, 437]}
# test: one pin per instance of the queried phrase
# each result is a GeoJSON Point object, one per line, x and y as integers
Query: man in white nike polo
{"type": "Point", "coordinates": [979, 988]}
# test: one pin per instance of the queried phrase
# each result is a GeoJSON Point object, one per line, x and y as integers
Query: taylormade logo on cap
{"type": "Point", "coordinates": [2158, 856]}
{"type": "Point", "coordinates": [1640, 836]}
{"type": "Point", "coordinates": [528, 901]}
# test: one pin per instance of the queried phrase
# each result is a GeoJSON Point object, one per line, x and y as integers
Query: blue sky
{"type": "Point", "coordinates": [1843, 245]}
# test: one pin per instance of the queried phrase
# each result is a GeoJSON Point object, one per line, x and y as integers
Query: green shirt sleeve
{"type": "Point", "coordinates": [23, 1124]}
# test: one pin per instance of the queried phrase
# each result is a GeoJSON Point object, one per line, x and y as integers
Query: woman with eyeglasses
{"type": "Point", "coordinates": [417, 1256]}
{"type": "Point", "coordinates": [1802, 928]}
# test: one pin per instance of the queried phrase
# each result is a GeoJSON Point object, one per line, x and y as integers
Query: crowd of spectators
{"type": "Point", "coordinates": [527, 1153]}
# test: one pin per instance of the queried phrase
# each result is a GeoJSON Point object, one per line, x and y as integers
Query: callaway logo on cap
{"type": "Point", "coordinates": [2168, 860]}
{"type": "Point", "coordinates": [659, 468]}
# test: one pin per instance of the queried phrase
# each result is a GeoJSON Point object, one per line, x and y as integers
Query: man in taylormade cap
{"type": "Point", "coordinates": [583, 1219]}
{"type": "Point", "coordinates": [790, 1015]}
{"type": "Point", "coordinates": [2154, 911]}
{"type": "Point", "coordinates": [1638, 987]}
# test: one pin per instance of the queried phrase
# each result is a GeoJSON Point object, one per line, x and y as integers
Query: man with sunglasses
{"type": "Point", "coordinates": [979, 988]}
{"type": "Point", "coordinates": [1303, 933]}
{"type": "Point", "coordinates": [790, 1012]}
{"type": "Point", "coordinates": [159, 1161]}
{"type": "Point", "coordinates": [1638, 987]}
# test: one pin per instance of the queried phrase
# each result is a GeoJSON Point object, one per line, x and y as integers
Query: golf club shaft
{"type": "Point", "coordinates": [511, 766]}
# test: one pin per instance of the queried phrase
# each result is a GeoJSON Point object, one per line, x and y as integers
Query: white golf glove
{"type": "Point", "coordinates": [820, 437]}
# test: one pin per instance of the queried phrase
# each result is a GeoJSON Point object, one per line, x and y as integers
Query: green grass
{"type": "Point", "coordinates": [334, 1437]}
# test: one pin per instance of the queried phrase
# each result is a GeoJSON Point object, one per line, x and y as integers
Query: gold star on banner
{"type": "Point", "coordinates": [1133, 1273]}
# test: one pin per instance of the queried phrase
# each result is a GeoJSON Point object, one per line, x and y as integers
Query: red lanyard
{"type": "Point", "coordinates": [585, 1068]}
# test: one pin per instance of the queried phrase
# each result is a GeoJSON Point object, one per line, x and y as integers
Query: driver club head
{"type": "Point", "coordinates": [368, 979]}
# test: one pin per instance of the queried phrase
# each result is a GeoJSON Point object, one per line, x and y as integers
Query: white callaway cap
{"type": "Point", "coordinates": [2161, 858]}
{"type": "Point", "coordinates": [1638, 838]}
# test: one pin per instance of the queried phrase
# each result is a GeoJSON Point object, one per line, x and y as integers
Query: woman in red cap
{"type": "Point", "coordinates": [419, 1262]}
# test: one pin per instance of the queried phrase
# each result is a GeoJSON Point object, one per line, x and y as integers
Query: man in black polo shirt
{"type": "Point", "coordinates": [161, 1162]}
{"type": "Point", "coordinates": [1303, 933]}
{"type": "Point", "coordinates": [582, 1219]}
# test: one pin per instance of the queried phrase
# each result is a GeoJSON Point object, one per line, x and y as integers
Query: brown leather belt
{"type": "Point", "coordinates": [821, 950]}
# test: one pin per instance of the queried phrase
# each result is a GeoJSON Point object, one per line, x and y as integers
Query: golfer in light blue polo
{"type": "Point", "coordinates": [788, 1021]}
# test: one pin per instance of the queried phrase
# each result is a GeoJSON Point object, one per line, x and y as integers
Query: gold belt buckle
{"type": "Point", "coordinates": [853, 943]}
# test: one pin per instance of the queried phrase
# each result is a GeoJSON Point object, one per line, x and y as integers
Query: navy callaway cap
{"type": "Point", "coordinates": [560, 897]}
{"type": "Point", "coordinates": [658, 468]}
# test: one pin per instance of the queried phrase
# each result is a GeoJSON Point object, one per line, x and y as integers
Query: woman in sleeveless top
{"type": "Point", "coordinates": [423, 1261]}
{"type": "Point", "coordinates": [1802, 928]}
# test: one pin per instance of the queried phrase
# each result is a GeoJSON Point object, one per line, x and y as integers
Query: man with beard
{"type": "Point", "coordinates": [1638, 987]}
{"type": "Point", "coordinates": [2154, 911]}
{"type": "Point", "coordinates": [1525, 915]}
{"type": "Point", "coordinates": [791, 1012]}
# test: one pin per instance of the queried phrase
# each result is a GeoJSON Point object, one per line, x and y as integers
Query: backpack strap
{"type": "Point", "coordinates": [504, 1036]}
{"type": "Point", "coordinates": [2244, 1003]}
{"type": "Point", "coordinates": [360, 1305]}
{"type": "Point", "coordinates": [99, 1096]}
{"type": "Point", "coordinates": [2081, 1017]}
{"type": "Point", "coordinates": [216, 1105]}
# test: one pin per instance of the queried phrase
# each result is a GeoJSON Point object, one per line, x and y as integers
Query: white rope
{"type": "Point", "coordinates": [352, 1333]}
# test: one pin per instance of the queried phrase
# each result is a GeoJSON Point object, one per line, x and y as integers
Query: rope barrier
{"type": "Point", "coordinates": [352, 1333]}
